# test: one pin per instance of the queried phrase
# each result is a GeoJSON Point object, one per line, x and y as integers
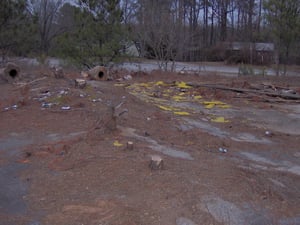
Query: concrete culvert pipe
{"type": "Point", "coordinates": [98, 73]}
{"type": "Point", "coordinates": [10, 72]}
{"type": "Point", "coordinates": [13, 73]}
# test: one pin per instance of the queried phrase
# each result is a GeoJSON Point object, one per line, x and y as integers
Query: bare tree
{"type": "Point", "coordinates": [129, 8]}
{"type": "Point", "coordinates": [47, 12]}
{"type": "Point", "coordinates": [284, 19]}
{"type": "Point", "coordinates": [159, 32]}
{"type": "Point", "coordinates": [13, 26]}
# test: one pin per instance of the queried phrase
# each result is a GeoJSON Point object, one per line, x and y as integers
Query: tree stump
{"type": "Point", "coordinates": [58, 72]}
{"type": "Point", "coordinates": [156, 163]}
{"type": "Point", "coordinates": [80, 83]}
{"type": "Point", "coordinates": [129, 145]}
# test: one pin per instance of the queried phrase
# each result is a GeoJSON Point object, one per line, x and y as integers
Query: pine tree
{"type": "Point", "coordinates": [284, 19]}
{"type": "Point", "coordinates": [13, 27]}
{"type": "Point", "coordinates": [98, 33]}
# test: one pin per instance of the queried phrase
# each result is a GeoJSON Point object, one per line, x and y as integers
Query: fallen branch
{"type": "Point", "coordinates": [31, 82]}
{"type": "Point", "coordinates": [243, 90]}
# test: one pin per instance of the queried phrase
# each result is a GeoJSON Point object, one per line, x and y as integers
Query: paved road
{"type": "Point", "coordinates": [186, 67]}
{"type": "Point", "coordinates": [193, 67]}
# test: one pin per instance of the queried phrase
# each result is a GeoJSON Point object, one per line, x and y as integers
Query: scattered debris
{"type": "Point", "coordinates": [46, 93]}
{"type": "Point", "coordinates": [63, 92]}
{"type": "Point", "coordinates": [65, 107]}
{"type": "Point", "coordinates": [128, 77]}
{"type": "Point", "coordinates": [223, 150]}
{"type": "Point", "coordinates": [97, 100]}
{"type": "Point", "coordinates": [14, 107]}
{"type": "Point", "coordinates": [268, 133]}
{"type": "Point", "coordinates": [271, 93]}
{"type": "Point", "coordinates": [46, 105]}
{"type": "Point", "coordinates": [156, 163]}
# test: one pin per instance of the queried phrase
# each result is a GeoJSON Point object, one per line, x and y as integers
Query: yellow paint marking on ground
{"type": "Point", "coordinates": [117, 144]}
{"type": "Point", "coordinates": [119, 85]}
{"type": "Point", "coordinates": [220, 119]}
{"type": "Point", "coordinates": [167, 108]}
{"type": "Point", "coordinates": [197, 97]}
{"type": "Point", "coordinates": [182, 113]}
{"type": "Point", "coordinates": [219, 104]}
{"type": "Point", "coordinates": [178, 98]}
{"type": "Point", "coordinates": [182, 84]}
{"type": "Point", "coordinates": [161, 83]}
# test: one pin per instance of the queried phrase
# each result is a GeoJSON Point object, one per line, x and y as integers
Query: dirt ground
{"type": "Point", "coordinates": [229, 156]}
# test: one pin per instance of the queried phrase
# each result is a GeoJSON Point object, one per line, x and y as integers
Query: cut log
{"type": "Point", "coordinates": [243, 90]}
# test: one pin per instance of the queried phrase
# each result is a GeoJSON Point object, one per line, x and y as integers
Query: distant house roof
{"type": "Point", "coordinates": [259, 46]}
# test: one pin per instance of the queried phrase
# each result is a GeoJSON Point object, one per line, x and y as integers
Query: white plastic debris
{"type": "Point", "coordinates": [46, 105]}
{"type": "Point", "coordinates": [14, 107]}
{"type": "Point", "coordinates": [223, 150]}
{"type": "Point", "coordinates": [46, 93]}
{"type": "Point", "coordinates": [97, 100]}
{"type": "Point", "coordinates": [128, 77]}
{"type": "Point", "coordinates": [65, 107]}
{"type": "Point", "coordinates": [268, 133]}
{"type": "Point", "coordinates": [63, 92]}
